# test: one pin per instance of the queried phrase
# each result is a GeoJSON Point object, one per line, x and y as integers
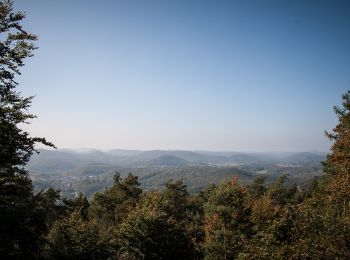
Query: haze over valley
{"type": "Point", "coordinates": [92, 170]}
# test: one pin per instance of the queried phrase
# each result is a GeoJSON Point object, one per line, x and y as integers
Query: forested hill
{"type": "Point", "coordinates": [90, 170]}
{"type": "Point", "coordinates": [63, 159]}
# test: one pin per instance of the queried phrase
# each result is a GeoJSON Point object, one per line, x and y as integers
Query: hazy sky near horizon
{"type": "Point", "coordinates": [194, 75]}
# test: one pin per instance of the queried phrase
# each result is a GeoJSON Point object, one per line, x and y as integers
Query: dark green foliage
{"type": "Point", "coordinates": [226, 221]}
{"type": "Point", "coordinates": [48, 208]}
{"type": "Point", "coordinates": [176, 195]}
{"type": "Point", "coordinates": [75, 238]}
{"type": "Point", "coordinates": [112, 205]}
{"type": "Point", "coordinates": [109, 209]}
{"type": "Point", "coordinates": [149, 232]}
{"type": "Point", "coordinates": [20, 230]}
{"type": "Point", "coordinates": [79, 204]}
{"type": "Point", "coordinates": [256, 189]}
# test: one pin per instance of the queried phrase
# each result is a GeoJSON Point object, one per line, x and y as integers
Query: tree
{"type": "Point", "coordinates": [74, 238]}
{"type": "Point", "coordinates": [18, 234]}
{"type": "Point", "coordinates": [226, 221]}
{"type": "Point", "coordinates": [110, 206]}
{"type": "Point", "coordinates": [322, 225]}
{"type": "Point", "coordinates": [176, 195]}
{"type": "Point", "coordinates": [338, 161]}
{"type": "Point", "coordinates": [149, 232]}
{"type": "Point", "coordinates": [80, 204]}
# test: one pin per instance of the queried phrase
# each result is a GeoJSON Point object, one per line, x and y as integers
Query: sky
{"type": "Point", "coordinates": [189, 75]}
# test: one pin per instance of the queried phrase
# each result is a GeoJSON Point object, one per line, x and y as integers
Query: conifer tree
{"type": "Point", "coordinates": [338, 161]}
{"type": "Point", "coordinates": [226, 221]}
{"type": "Point", "coordinates": [18, 229]}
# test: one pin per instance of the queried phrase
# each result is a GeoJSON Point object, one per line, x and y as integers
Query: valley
{"type": "Point", "coordinates": [89, 171]}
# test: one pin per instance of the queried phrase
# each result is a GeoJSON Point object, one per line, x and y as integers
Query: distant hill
{"type": "Point", "coordinates": [244, 158]}
{"type": "Point", "coordinates": [48, 161]}
{"type": "Point", "coordinates": [91, 170]}
{"type": "Point", "coordinates": [56, 161]}
{"type": "Point", "coordinates": [194, 157]}
{"type": "Point", "coordinates": [69, 161]}
{"type": "Point", "coordinates": [305, 157]}
{"type": "Point", "coordinates": [195, 177]}
{"type": "Point", "coordinates": [95, 169]}
{"type": "Point", "coordinates": [123, 153]}
{"type": "Point", "coordinates": [168, 161]}
{"type": "Point", "coordinates": [185, 155]}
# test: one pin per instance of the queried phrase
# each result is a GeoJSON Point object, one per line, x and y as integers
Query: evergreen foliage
{"type": "Point", "coordinates": [20, 230]}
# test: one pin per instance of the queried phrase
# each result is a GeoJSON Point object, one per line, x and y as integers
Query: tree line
{"type": "Point", "coordinates": [227, 221]}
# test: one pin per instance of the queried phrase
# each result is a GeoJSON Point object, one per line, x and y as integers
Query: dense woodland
{"type": "Point", "coordinates": [227, 221]}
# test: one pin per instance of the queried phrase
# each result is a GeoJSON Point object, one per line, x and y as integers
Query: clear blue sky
{"type": "Point", "coordinates": [195, 75]}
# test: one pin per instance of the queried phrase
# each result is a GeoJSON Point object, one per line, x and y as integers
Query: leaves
{"type": "Point", "coordinates": [22, 224]}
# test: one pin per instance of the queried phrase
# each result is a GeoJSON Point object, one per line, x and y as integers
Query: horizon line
{"type": "Point", "coordinates": [183, 150]}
